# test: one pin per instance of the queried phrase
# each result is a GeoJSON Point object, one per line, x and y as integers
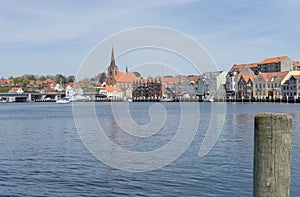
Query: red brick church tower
{"type": "Point", "coordinates": [112, 70]}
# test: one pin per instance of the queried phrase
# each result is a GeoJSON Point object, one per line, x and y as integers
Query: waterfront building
{"type": "Point", "coordinates": [275, 64]}
{"type": "Point", "coordinates": [176, 86]}
{"type": "Point", "coordinates": [291, 87]}
{"type": "Point", "coordinates": [16, 90]}
{"type": "Point", "coordinates": [112, 92]}
{"type": "Point", "coordinates": [72, 91]}
{"type": "Point", "coordinates": [147, 89]}
{"type": "Point", "coordinates": [232, 78]}
{"type": "Point", "coordinates": [296, 65]}
{"type": "Point", "coordinates": [268, 85]}
{"type": "Point", "coordinates": [211, 84]}
{"type": "Point", "coordinates": [245, 86]}
{"type": "Point", "coordinates": [46, 90]}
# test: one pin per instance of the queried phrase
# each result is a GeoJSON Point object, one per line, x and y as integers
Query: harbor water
{"type": "Point", "coordinates": [42, 154]}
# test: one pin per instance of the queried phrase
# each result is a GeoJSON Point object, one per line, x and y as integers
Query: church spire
{"type": "Point", "coordinates": [126, 69]}
{"type": "Point", "coordinates": [112, 70]}
{"type": "Point", "coordinates": [112, 62]}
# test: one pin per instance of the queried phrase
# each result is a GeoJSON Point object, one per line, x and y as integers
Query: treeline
{"type": "Point", "coordinates": [58, 78]}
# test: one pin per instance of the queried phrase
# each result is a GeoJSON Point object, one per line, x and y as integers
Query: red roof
{"type": "Point", "coordinates": [249, 77]}
{"type": "Point", "coordinates": [192, 78]}
{"type": "Point", "coordinates": [272, 59]}
{"type": "Point", "coordinates": [14, 90]}
{"type": "Point", "coordinates": [126, 77]}
{"type": "Point", "coordinates": [276, 76]}
{"type": "Point", "coordinates": [169, 80]}
{"type": "Point", "coordinates": [297, 64]}
{"type": "Point", "coordinates": [5, 81]}
{"type": "Point", "coordinates": [237, 68]}
{"type": "Point", "coordinates": [252, 65]}
{"type": "Point", "coordinates": [113, 88]}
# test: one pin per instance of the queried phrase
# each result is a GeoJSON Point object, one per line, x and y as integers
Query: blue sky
{"type": "Point", "coordinates": [48, 37]}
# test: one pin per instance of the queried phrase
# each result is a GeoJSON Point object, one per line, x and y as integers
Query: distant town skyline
{"type": "Point", "coordinates": [49, 37]}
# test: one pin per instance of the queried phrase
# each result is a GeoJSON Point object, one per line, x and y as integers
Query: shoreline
{"type": "Point", "coordinates": [174, 101]}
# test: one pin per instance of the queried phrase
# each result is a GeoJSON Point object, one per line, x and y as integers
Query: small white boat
{"type": "Point", "coordinates": [208, 100]}
{"type": "Point", "coordinates": [63, 101]}
{"type": "Point", "coordinates": [166, 100]}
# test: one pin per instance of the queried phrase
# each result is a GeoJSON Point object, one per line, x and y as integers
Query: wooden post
{"type": "Point", "coordinates": [272, 155]}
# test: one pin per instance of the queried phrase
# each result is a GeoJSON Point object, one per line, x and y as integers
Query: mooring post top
{"type": "Point", "coordinates": [268, 115]}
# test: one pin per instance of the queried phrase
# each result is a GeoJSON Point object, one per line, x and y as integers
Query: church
{"type": "Point", "coordinates": [124, 80]}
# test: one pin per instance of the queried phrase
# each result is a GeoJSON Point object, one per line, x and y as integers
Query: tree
{"type": "Point", "coordinates": [42, 78]}
{"type": "Point", "coordinates": [70, 79]}
{"type": "Point", "coordinates": [25, 82]}
{"type": "Point", "coordinates": [102, 77]}
{"type": "Point", "coordinates": [16, 80]}
{"type": "Point", "coordinates": [85, 83]}
{"type": "Point", "coordinates": [29, 77]}
{"type": "Point", "coordinates": [59, 78]}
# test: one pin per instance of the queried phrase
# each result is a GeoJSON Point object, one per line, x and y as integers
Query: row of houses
{"type": "Point", "coordinates": [272, 78]}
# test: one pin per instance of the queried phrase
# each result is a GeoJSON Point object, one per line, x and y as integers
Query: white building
{"type": "Point", "coordinates": [112, 92]}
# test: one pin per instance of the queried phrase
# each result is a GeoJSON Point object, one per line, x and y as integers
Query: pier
{"type": "Point", "coordinates": [272, 155]}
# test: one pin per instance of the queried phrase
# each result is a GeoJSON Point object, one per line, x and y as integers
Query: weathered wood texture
{"type": "Point", "coordinates": [272, 155]}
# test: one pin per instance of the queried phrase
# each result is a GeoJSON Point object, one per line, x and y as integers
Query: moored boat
{"type": "Point", "coordinates": [166, 100]}
{"type": "Point", "coordinates": [63, 101]}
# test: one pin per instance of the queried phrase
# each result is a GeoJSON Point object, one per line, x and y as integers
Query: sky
{"type": "Point", "coordinates": [49, 37]}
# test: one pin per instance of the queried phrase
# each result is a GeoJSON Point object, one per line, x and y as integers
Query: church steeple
{"type": "Point", "coordinates": [126, 69]}
{"type": "Point", "coordinates": [112, 61]}
{"type": "Point", "coordinates": [112, 69]}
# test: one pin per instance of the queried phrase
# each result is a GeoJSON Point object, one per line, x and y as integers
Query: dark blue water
{"type": "Point", "coordinates": [41, 154]}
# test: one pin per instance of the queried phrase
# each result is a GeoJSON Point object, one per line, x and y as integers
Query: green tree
{"type": "Point", "coordinates": [25, 82]}
{"type": "Point", "coordinates": [16, 80]}
{"type": "Point", "coordinates": [60, 78]}
{"type": "Point", "coordinates": [70, 79]}
{"type": "Point", "coordinates": [29, 77]}
{"type": "Point", "coordinates": [102, 77]}
{"type": "Point", "coordinates": [42, 78]}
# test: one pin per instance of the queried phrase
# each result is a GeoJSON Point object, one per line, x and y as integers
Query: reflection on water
{"type": "Point", "coordinates": [42, 154]}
